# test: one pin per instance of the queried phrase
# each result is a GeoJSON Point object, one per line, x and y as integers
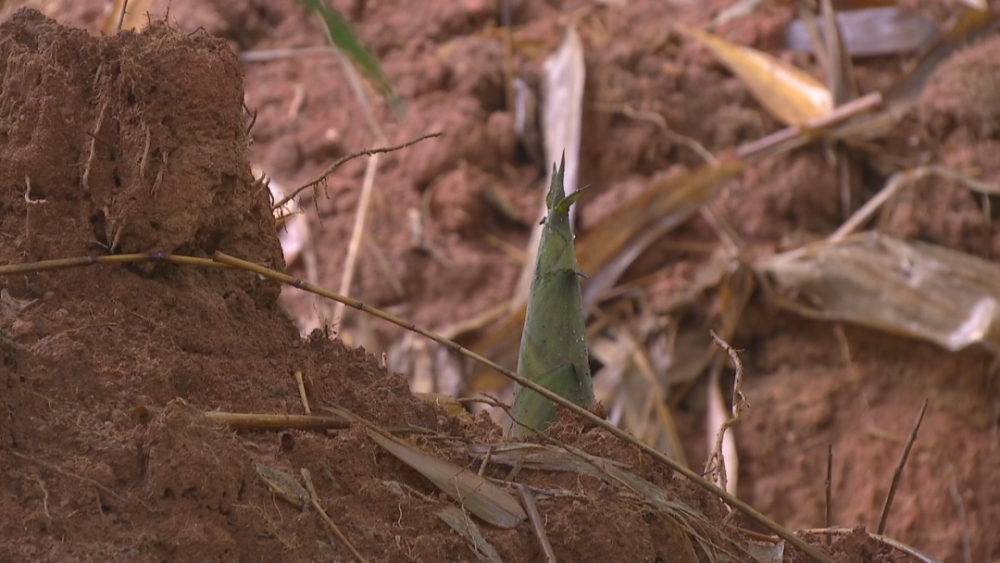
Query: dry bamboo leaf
{"type": "Point", "coordinates": [552, 458]}
{"type": "Point", "coordinates": [450, 405]}
{"type": "Point", "coordinates": [283, 485]}
{"type": "Point", "coordinates": [479, 496]}
{"type": "Point", "coordinates": [634, 393]}
{"type": "Point", "coordinates": [563, 76]}
{"type": "Point", "coordinates": [766, 552]}
{"type": "Point", "coordinates": [908, 288]}
{"type": "Point", "coordinates": [968, 26]}
{"type": "Point", "coordinates": [458, 521]}
{"type": "Point", "coordinates": [790, 94]}
{"type": "Point", "coordinates": [872, 32]}
{"type": "Point", "coordinates": [611, 246]}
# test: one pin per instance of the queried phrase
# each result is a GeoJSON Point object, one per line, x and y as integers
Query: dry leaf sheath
{"type": "Point", "coordinates": [553, 343]}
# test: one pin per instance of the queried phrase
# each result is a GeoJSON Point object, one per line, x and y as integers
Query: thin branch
{"type": "Point", "coordinates": [897, 182]}
{"type": "Point", "coordinates": [829, 484]}
{"type": "Point", "coordinates": [329, 169]}
{"type": "Point", "coordinates": [899, 470]}
{"type": "Point", "coordinates": [796, 136]}
{"type": "Point", "coordinates": [314, 499]}
{"type": "Point", "coordinates": [302, 392]}
{"type": "Point", "coordinates": [717, 463]}
{"type": "Point", "coordinates": [357, 233]}
{"type": "Point", "coordinates": [266, 55]}
{"type": "Point", "coordinates": [897, 545]}
{"type": "Point", "coordinates": [956, 497]}
{"type": "Point", "coordinates": [121, 17]}
{"type": "Point", "coordinates": [536, 522]}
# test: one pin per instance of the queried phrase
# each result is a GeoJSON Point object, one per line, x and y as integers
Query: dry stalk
{"type": "Point", "coordinates": [896, 183]}
{"type": "Point", "coordinates": [357, 233]}
{"type": "Point", "coordinates": [897, 545]}
{"type": "Point", "coordinates": [829, 484]}
{"type": "Point", "coordinates": [792, 137]}
{"type": "Point", "coordinates": [85, 179]}
{"type": "Point", "coordinates": [340, 161]}
{"type": "Point", "coordinates": [121, 17]}
{"type": "Point", "coordinates": [302, 392]}
{"type": "Point", "coordinates": [144, 161]}
{"type": "Point", "coordinates": [716, 464]}
{"type": "Point", "coordinates": [898, 474]}
{"type": "Point", "coordinates": [536, 522]}
{"type": "Point", "coordinates": [314, 499]}
{"type": "Point", "coordinates": [242, 421]}
{"type": "Point", "coordinates": [251, 421]}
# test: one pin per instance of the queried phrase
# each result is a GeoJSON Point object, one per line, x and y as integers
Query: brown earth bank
{"type": "Point", "coordinates": [138, 143]}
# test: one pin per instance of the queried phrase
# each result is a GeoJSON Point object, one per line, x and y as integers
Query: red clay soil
{"type": "Point", "coordinates": [81, 479]}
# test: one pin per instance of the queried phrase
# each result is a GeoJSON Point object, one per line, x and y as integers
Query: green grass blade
{"type": "Point", "coordinates": [345, 39]}
{"type": "Point", "coordinates": [554, 340]}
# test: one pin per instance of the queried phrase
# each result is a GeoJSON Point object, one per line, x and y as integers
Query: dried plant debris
{"type": "Point", "coordinates": [283, 485]}
{"type": "Point", "coordinates": [871, 32]}
{"type": "Point", "coordinates": [907, 288]}
{"type": "Point", "coordinates": [788, 93]}
{"type": "Point", "coordinates": [563, 76]}
{"type": "Point", "coordinates": [690, 521]}
{"type": "Point", "coordinates": [467, 528]}
{"type": "Point", "coordinates": [477, 495]}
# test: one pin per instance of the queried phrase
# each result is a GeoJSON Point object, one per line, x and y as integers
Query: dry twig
{"type": "Point", "coordinates": [536, 522]}
{"type": "Point", "coordinates": [121, 17]}
{"type": "Point", "coordinates": [898, 474]}
{"type": "Point", "coordinates": [302, 392]}
{"type": "Point", "coordinates": [340, 161]}
{"type": "Point", "coordinates": [897, 545]}
{"type": "Point", "coordinates": [314, 499]}
{"type": "Point", "coordinates": [251, 421]}
{"type": "Point", "coordinates": [716, 464]}
{"type": "Point", "coordinates": [829, 483]}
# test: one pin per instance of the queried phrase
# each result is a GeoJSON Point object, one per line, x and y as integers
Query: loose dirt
{"type": "Point", "coordinates": [155, 123]}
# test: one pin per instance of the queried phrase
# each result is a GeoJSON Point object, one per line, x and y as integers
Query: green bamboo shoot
{"type": "Point", "coordinates": [554, 341]}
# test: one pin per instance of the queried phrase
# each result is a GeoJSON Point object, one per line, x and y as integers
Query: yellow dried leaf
{"type": "Point", "coordinates": [791, 95]}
